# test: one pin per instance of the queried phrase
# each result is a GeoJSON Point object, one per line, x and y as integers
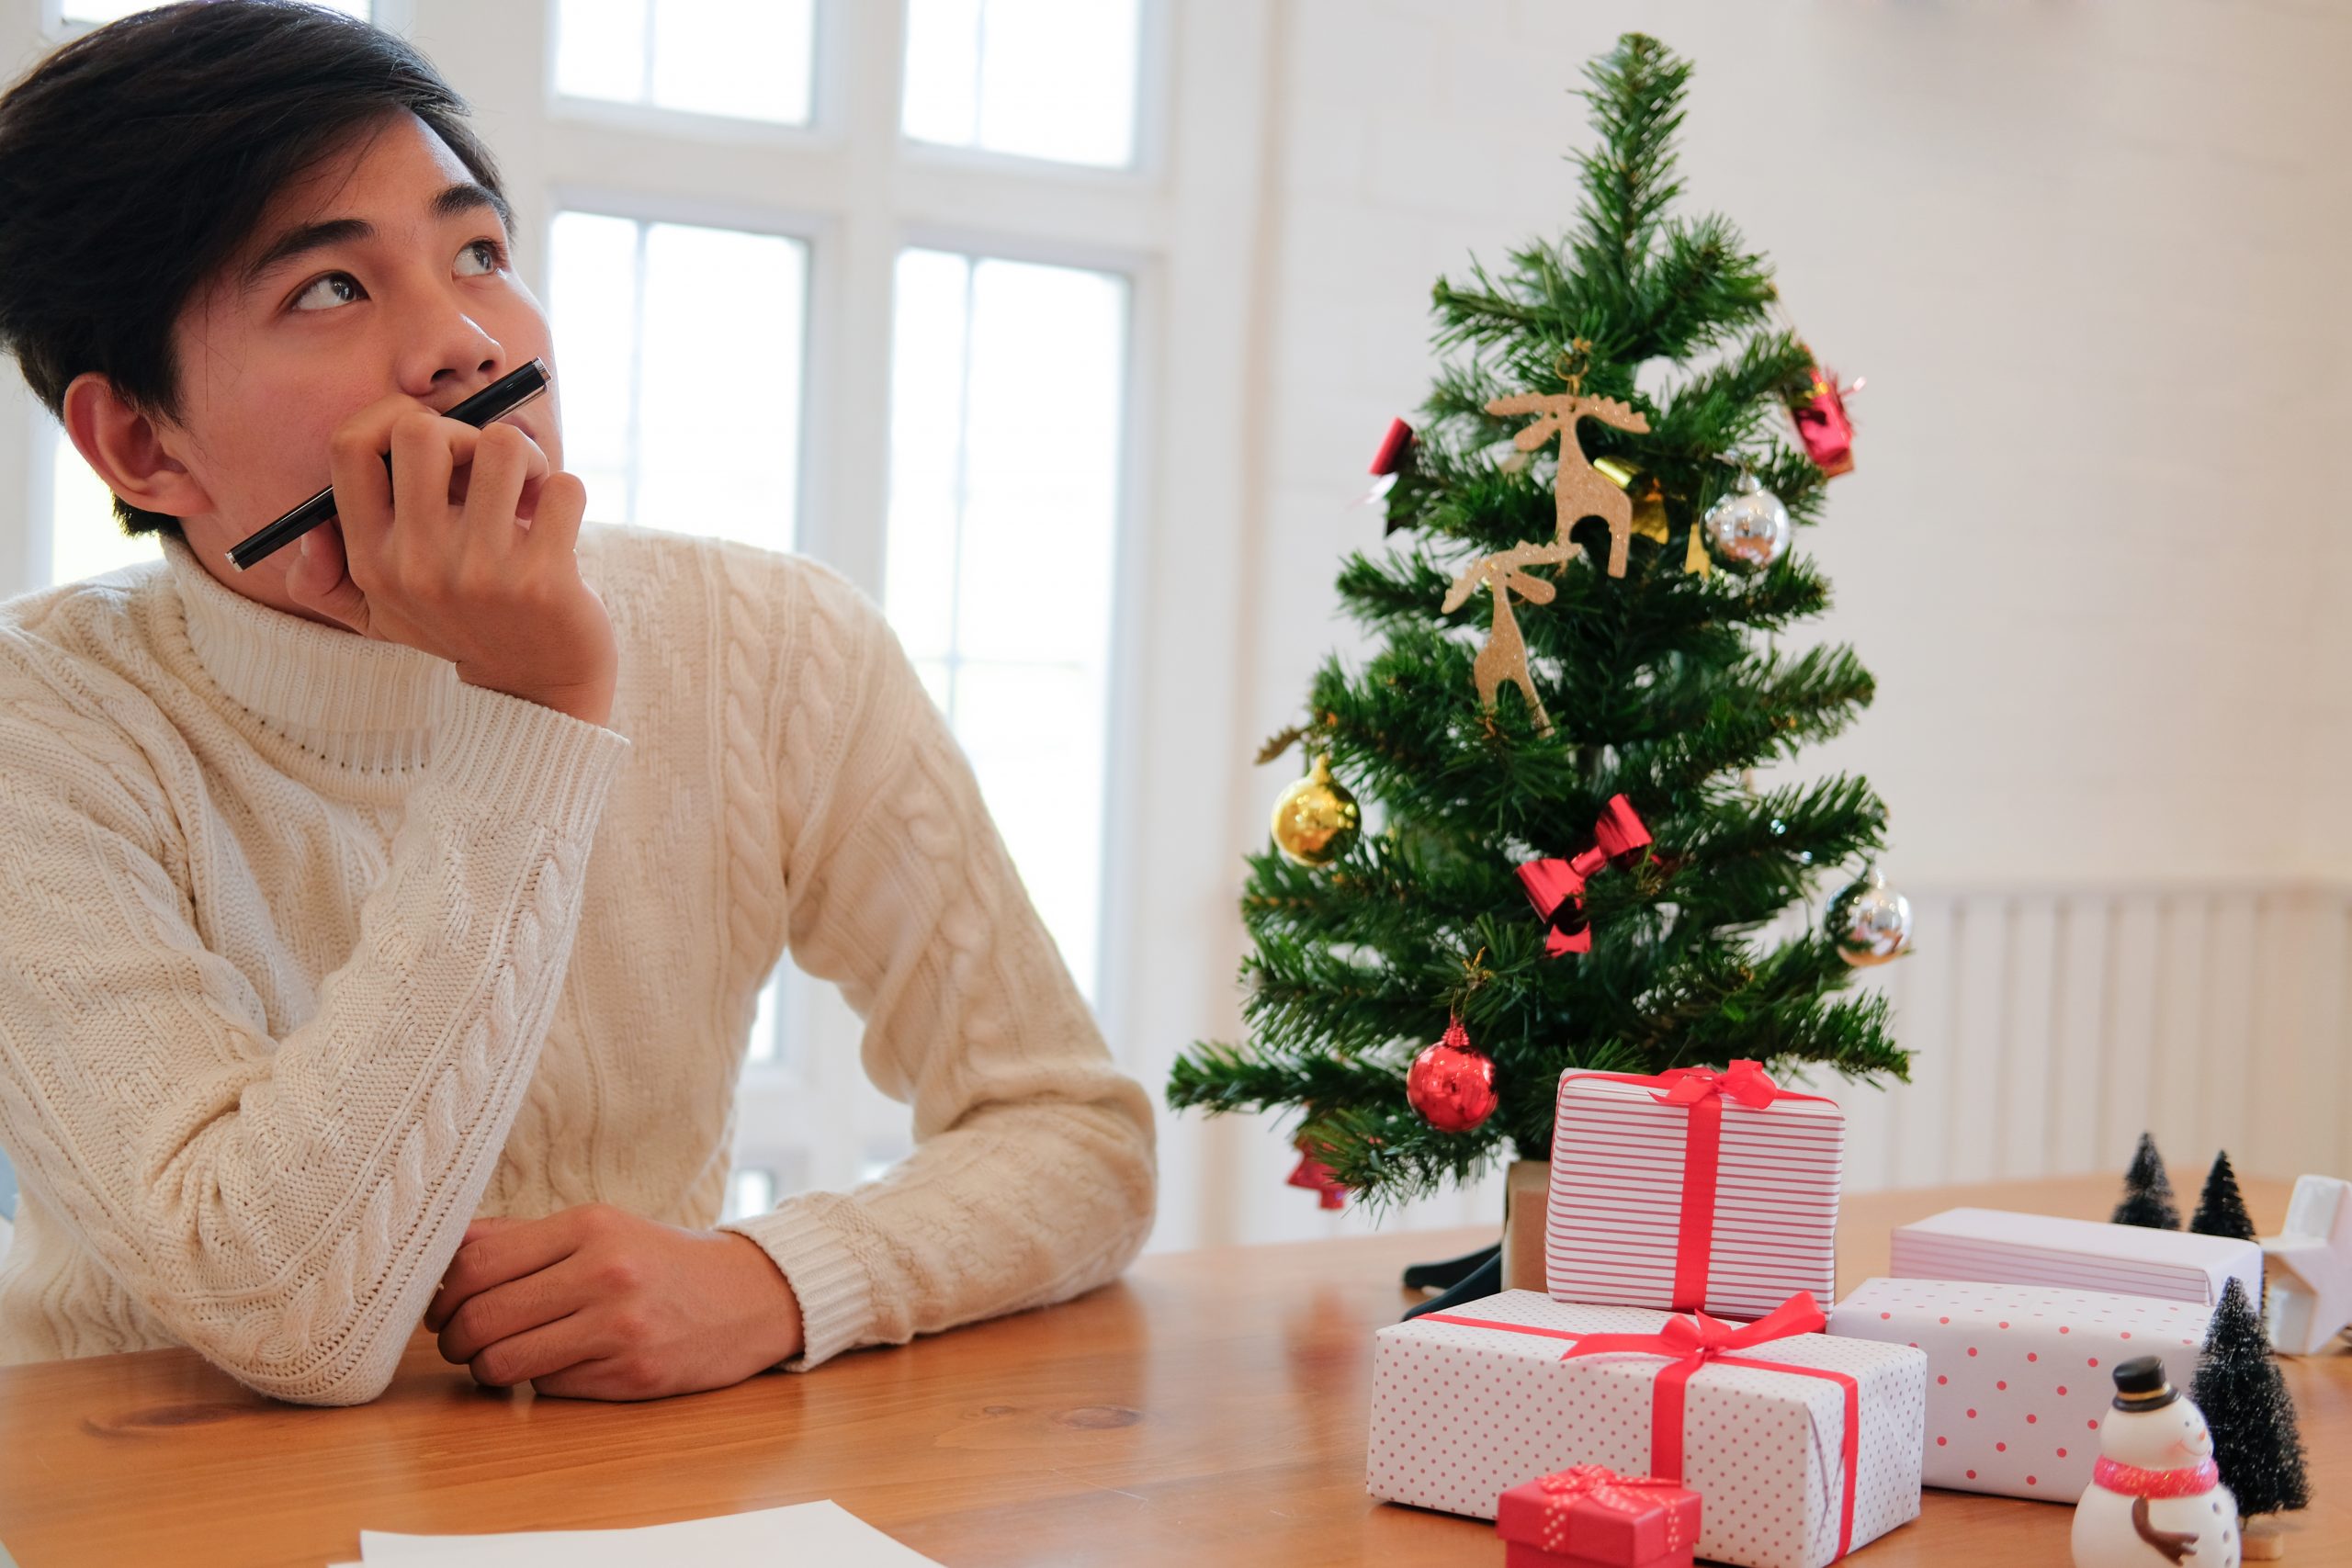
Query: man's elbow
{"type": "Point", "coordinates": [349, 1362]}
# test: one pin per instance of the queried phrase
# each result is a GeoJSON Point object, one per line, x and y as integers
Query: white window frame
{"type": "Point", "coordinates": [1183, 224]}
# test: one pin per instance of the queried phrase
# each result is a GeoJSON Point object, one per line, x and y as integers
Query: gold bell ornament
{"type": "Point", "coordinates": [1316, 819]}
{"type": "Point", "coordinates": [1649, 510]}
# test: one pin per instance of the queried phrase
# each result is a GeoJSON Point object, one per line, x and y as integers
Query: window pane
{"type": "Point", "coordinates": [749, 1193]}
{"type": "Point", "coordinates": [1041, 78]}
{"type": "Point", "coordinates": [679, 371]}
{"type": "Point", "coordinates": [746, 59]}
{"type": "Point", "coordinates": [1007, 406]}
{"type": "Point", "coordinates": [115, 10]}
{"type": "Point", "coordinates": [85, 539]}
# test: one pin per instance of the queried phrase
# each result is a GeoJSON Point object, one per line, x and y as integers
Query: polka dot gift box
{"type": "Point", "coordinates": [1803, 1447]}
{"type": "Point", "coordinates": [2021, 1377]}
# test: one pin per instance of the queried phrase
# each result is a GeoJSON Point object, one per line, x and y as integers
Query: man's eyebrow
{"type": "Point", "coordinates": [466, 196]}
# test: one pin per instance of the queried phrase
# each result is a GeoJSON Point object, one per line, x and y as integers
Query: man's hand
{"type": "Point", "coordinates": [596, 1302]}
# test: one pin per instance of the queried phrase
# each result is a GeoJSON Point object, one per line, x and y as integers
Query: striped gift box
{"type": "Point", "coordinates": [1725, 1200]}
{"type": "Point", "coordinates": [1999, 1248]}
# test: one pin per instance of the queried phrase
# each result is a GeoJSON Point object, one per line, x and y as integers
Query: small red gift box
{"type": "Point", "coordinates": [1589, 1517]}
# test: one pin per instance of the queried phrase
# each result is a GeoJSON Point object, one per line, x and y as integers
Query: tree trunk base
{"type": "Point", "coordinates": [1527, 1192]}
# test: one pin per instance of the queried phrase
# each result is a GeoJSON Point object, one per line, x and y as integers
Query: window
{"type": "Point", "coordinates": [1007, 383]}
{"type": "Point", "coordinates": [85, 537]}
{"type": "Point", "coordinates": [678, 365]}
{"type": "Point", "coordinates": [744, 59]}
{"type": "Point", "coordinates": [1053, 79]}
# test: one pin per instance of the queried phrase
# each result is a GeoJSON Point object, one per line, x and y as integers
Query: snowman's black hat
{"type": "Point", "coordinates": [2140, 1385]}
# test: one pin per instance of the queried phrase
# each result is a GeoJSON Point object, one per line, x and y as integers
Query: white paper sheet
{"type": "Point", "coordinates": [816, 1533]}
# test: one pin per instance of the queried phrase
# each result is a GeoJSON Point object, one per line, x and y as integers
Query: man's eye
{"type": "Point", "coordinates": [340, 287]}
{"type": "Point", "coordinates": [332, 288]}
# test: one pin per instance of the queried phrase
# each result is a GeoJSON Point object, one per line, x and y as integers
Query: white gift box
{"type": "Point", "coordinates": [2020, 1377]}
{"type": "Point", "coordinates": [1997, 1247]}
{"type": "Point", "coordinates": [1463, 1413]}
{"type": "Point", "coordinates": [1755, 1188]}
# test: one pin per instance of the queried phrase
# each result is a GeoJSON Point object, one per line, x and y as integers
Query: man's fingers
{"type": "Point", "coordinates": [515, 1307]}
{"type": "Point", "coordinates": [492, 1256]}
{"type": "Point", "coordinates": [543, 1351]}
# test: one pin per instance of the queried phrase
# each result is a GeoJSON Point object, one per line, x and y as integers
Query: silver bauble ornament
{"type": "Point", "coordinates": [1749, 524]}
{"type": "Point", "coordinates": [1870, 921]}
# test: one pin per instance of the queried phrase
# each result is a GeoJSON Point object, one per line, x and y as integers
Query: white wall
{"type": "Point", "coordinates": [2091, 258]}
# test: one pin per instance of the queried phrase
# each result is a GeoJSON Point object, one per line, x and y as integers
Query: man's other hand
{"type": "Point", "coordinates": [596, 1302]}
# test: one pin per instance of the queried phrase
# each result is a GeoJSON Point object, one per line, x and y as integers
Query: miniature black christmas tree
{"type": "Point", "coordinates": [2147, 1193]}
{"type": "Point", "coordinates": [2245, 1402]}
{"type": "Point", "coordinates": [2220, 1211]}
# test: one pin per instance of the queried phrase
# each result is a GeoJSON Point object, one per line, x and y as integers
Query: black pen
{"type": "Point", "coordinates": [501, 397]}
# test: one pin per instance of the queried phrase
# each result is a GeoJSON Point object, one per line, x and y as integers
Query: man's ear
{"type": "Point", "coordinates": [126, 449]}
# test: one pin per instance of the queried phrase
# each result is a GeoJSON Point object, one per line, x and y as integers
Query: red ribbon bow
{"type": "Point", "coordinates": [1556, 887]}
{"type": "Point", "coordinates": [1745, 1081]}
{"type": "Point", "coordinates": [1696, 1338]}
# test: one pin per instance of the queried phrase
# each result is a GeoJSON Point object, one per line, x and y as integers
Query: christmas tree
{"type": "Point", "coordinates": [2245, 1402]}
{"type": "Point", "coordinates": [2220, 1208]}
{"type": "Point", "coordinates": [2147, 1191]}
{"type": "Point", "coordinates": [1604, 731]}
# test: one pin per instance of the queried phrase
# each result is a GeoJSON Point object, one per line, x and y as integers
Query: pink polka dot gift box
{"type": "Point", "coordinates": [1804, 1446]}
{"type": "Point", "coordinates": [2020, 1377]}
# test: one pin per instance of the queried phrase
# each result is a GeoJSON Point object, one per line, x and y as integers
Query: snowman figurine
{"type": "Point", "coordinates": [2155, 1497]}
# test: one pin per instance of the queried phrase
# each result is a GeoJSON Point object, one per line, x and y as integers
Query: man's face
{"type": "Point", "coordinates": [408, 288]}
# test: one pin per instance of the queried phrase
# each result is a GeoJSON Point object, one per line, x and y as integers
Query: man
{"type": "Point", "coordinates": [385, 922]}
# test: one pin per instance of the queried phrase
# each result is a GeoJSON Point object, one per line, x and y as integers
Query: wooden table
{"type": "Point", "coordinates": [1210, 1408]}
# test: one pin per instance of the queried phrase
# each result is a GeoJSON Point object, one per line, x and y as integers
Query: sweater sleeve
{"type": "Point", "coordinates": [1033, 1179]}
{"type": "Point", "coordinates": [283, 1206]}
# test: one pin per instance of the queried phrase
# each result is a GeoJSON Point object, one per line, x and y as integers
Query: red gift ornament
{"type": "Point", "coordinates": [1819, 409]}
{"type": "Point", "coordinates": [1452, 1085]}
{"type": "Point", "coordinates": [1556, 887]}
{"type": "Point", "coordinates": [1313, 1173]}
{"type": "Point", "coordinates": [1590, 1515]}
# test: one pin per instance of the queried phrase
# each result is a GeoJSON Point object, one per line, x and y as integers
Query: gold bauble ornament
{"type": "Point", "coordinates": [1316, 819]}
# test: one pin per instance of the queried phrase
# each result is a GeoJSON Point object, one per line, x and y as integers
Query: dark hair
{"type": "Point", "coordinates": [136, 160]}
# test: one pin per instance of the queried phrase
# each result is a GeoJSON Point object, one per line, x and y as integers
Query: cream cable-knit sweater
{"type": "Point", "coordinates": [309, 953]}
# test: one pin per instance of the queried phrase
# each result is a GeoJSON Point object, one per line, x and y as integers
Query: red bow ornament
{"type": "Point", "coordinates": [1556, 887]}
{"type": "Point", "coordinates": [1314, 1175]}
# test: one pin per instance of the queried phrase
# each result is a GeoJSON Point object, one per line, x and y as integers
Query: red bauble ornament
{"type": "Point", "coordinates": [1452, 1085]}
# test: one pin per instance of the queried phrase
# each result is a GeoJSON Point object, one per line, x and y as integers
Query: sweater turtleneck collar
{"type": "Point", "coordinates": [356, 701]}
